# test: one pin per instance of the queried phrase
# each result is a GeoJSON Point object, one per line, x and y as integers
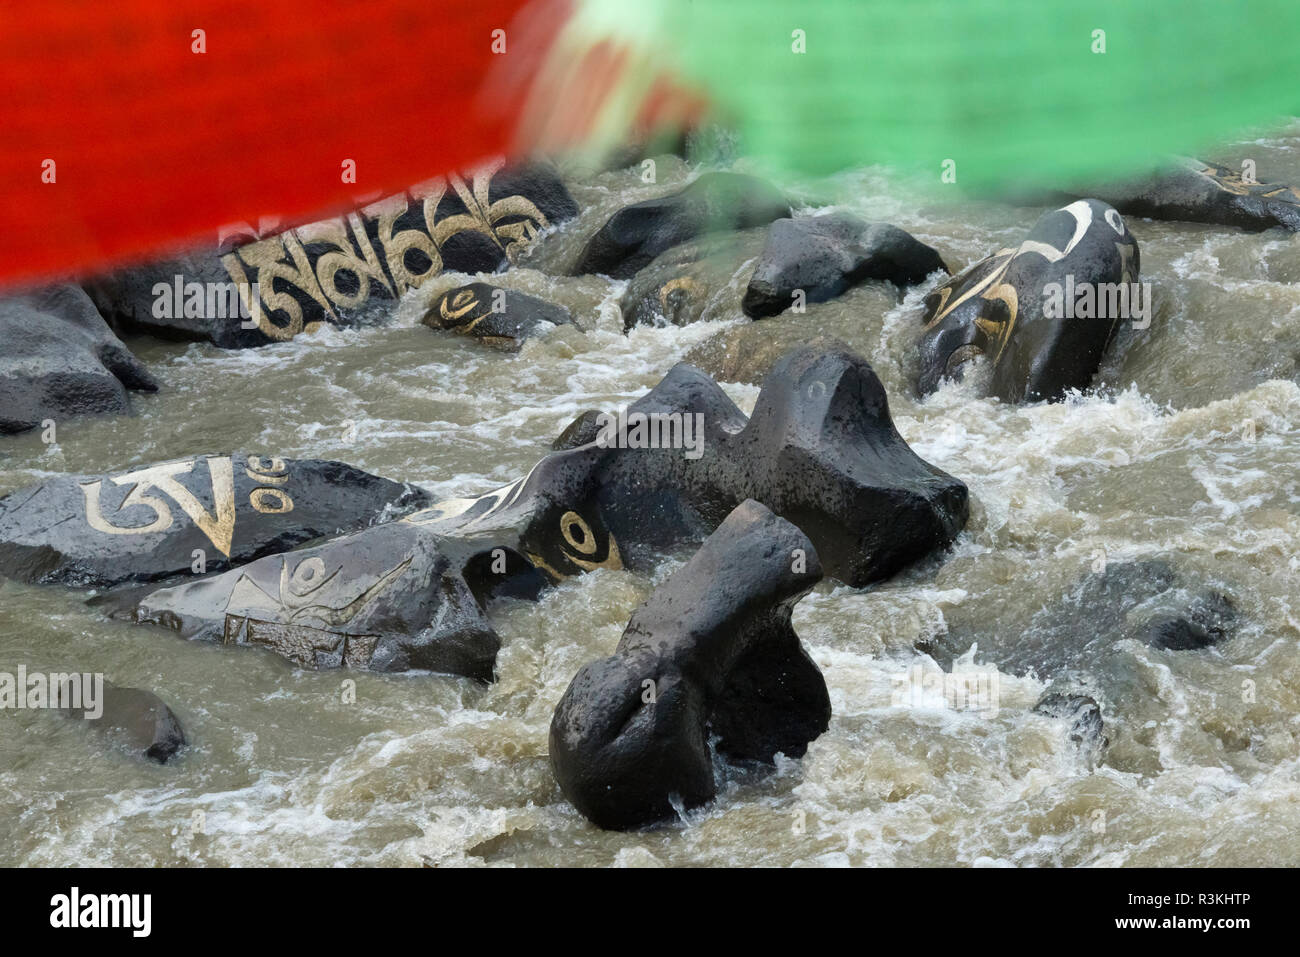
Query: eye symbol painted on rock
{"type": "Point", "coordinates": [583, 540]}
{"type": "Point", "coordinates": [1113, 219]}
{"type": "Point", "coordinates": [308, 592]}
{"type": "Point", "coordinates": [457, 306]}
{"type": "Point", "coordinates": [581, 548]}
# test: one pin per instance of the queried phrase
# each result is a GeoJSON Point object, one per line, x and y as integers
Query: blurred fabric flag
{"type": "Point", "coordinates": [154, 142]}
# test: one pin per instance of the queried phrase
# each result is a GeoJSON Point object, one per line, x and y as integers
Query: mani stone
{"type": "Point", "coordinates": [497, 317]}
{"type": "Point", "coordinates": [187, 516]}
{"type": "Point", "coordinates": [997, 309]}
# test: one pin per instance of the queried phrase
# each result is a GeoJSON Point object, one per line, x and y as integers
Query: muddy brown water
{"type": "Point", "coordinates": [1155, 463]}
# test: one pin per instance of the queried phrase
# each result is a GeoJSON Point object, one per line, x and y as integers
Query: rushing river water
{"type": "Point", "coordinates": [1187, 451]}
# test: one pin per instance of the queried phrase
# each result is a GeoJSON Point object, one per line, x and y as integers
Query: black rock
{"type": "Point", "coordinates": [137, 719]}
{"type": "Point", "coordinates": [1002, 307]}
{"type": "Point", "coordinates": [711, 652]}
{"type": "Point", "coordinates": [338, 270]}
{"type": "Point", "coordinates": [1211, 619]}
{"type": "Point", "coordinates": [1197, 192]}
{"type": "Point", "coordinates": [820, 451]}
{"type": "Point", "coordinates": [825, 255]}
{"type": "Point", "coordinates": [1145, 600]}
{"type": "Point", "coordinates": [1086, 728]}
{"type": "Point", "coordinates": [146, 524]}
{"type": "Point", "coordinates": [388, 598]}
{"type": "Point", "coordinates": [716, 202]}
{"type": "Point", "coordinates": [580, 431]}
{"type": "Point", "coordinates": [59, 359]}
{"type": "Point", "coordinates": [498, 317]}
{"type": "Point", "coordinates": [681, 283]}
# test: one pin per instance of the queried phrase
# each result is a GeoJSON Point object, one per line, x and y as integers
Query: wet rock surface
{"type": "Point", "coordinates": [338, 270]}
{"type": "Point", "coordinates": [821, 256]}
{"type": "Point", "coordinates": [1001, 308]}
{"type": "Point", "coordinates": [712, 652]}
{"type": "Point", "coordinates": [134, 719]}
{"type": "Point", "coordinates": [1197, 192]}
{"type": "Point", "coordinates": [716, 202]}
{"type": "Point", "coordinates": [691, 280]}
{"type": "Point", "coordinates": [388, 598]}
{"type": "Point", "coordinates": [502, 318]}
{"type": "Point", "coordinates": [819, 450]}
{"type": "Point", "coordinates": [59, 360]}
{"type": "Point", "coordinates": [1146, 601]}
{"type": "Point", "coordinates": [150, 523]}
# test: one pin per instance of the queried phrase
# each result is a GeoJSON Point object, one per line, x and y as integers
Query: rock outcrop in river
{"type": "Point", "coordinates": [824, 255]}
{"type": "Point", "coordinates": [716, 202]}
{"type": "Point", "coordinates": [497, 317]}
{"type": "Point", "coordinates": [711, 653]}
{"type": "Point", "coordinates": [389, 598]}
{"type": "Point", "coordinates": [199, 514]}
{"type": "Point", "coordinates": [1197, 192]}
{"type": "Point", "coordinates": [819, 450]}
{"type": "Point", "coordinates": [1147, 601]}
{"type": "Point", "coordinates": [1042, 314]}
{"type": "Point", "coordinates": [330, 271]}
{"type": "Point", "coordinates": [59, 359]}
{"type": "Point", "coordinates": [135, 719]}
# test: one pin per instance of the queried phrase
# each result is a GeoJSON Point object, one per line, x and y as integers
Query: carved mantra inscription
{"type": "Point", "coordinates": [393, 244]}
{"type": "Point", "coordinates": [157, 488]}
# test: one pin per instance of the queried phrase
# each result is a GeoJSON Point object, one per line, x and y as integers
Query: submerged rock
{"type": "Point", "coordinates": [824, 255]}
{"type": "Point", "coordinates": [747, 352]}
{"type": "Point", "coordinates": [59, 360]}
{"type": "Point", "coordinates": [1146, 601]}
{"type": "Point", "coordinates": [332, 271]}
{"type": "Point", "coordinates": [498, 317]}
{"type": "Point", "coordinates": [712, 652]}
{"type": "Point", "coordinates": [1043, 313]}
{"type": "Point", "coordinates": [680, 285]}
{"type": "Point", "coordinates": [716, 202]}
{"type": "Point", "coordinates": [1083, 715]}
{"type": "Point", "coordinates": [159, 521]}
{"type": "Point", "coordinates": [820, 450]}
{"type": "Point", "coordinates": [1197, 192]}
{"type": "Point", "coordinates": [137, 719]}
{"type": "Point", "coordinates": [388, 598]}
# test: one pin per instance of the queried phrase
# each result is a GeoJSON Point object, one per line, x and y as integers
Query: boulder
{"type": "Point", "coordinates": [695, 280]}
{"type": "Point", "coordinates": [824, 255]}
{"type": "Point", "coordinates": [711, 653]}
{"type": "Point", "coordinates": [148, 523]}
{"type": "Point", "coordinates": [256, 286]}
{"type": "Point", "coordinates": [716, 202]}
{"type": "Point", "coordinates": [497, 317]}
{"type": "Point", "coordinates": [1147, 601]}
{"type": "Point", "coordinates": [580, 431]}
{"type": "Point", "coordinates": [1043, 313]}
{"type": "Point", "coordinates": [820, 450]}
{"type": "Point", "coordinates": [388, 598]}
{"type": "Point", "coordinates": [1197, 192]}
{"type": "Point", "coordinates": [136, 719]}
{"type": "Point", "coordinates": [59, 359]}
